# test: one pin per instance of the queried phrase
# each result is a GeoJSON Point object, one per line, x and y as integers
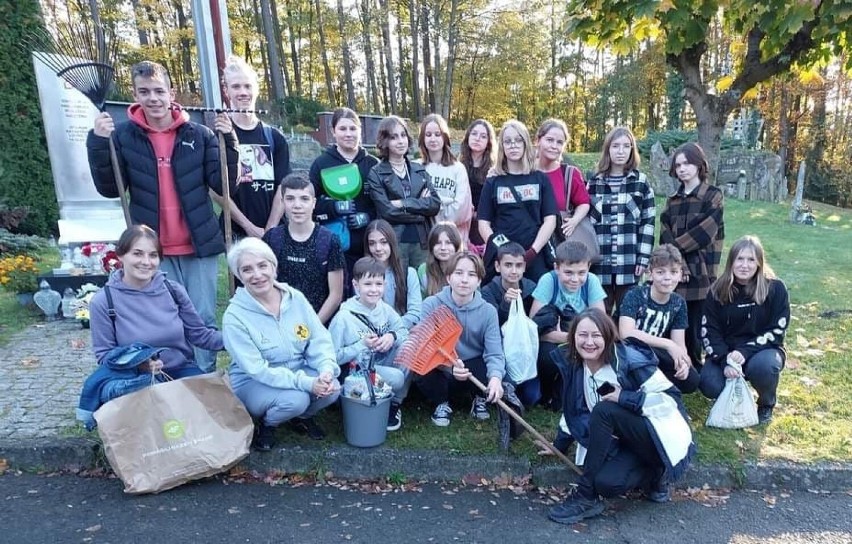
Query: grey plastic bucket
{"type": "Point", "coordinates": [365, 426]}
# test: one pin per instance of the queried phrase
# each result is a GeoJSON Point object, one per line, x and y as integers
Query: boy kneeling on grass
{"type": "Point", "coordinates": [366, 326]}
{"type": "Point", "coordinates": [480, 348]}
{"type": "Point", "coordinates": [559, 296]}
{"type": "Point", "coordinates": [656, 315]}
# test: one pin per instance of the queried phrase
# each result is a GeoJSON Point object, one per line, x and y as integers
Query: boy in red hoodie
{"type": "Point", "coordinates": [169, 164]}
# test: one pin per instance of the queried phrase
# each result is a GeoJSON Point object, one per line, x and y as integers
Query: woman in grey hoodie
{"type": "Point", "coordinates": [283, 365]}
{"type": "Point", "coordinates": [480, 347]}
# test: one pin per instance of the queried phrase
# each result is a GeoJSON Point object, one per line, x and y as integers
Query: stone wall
{"type": "Point", "coordinates": [764, 179]}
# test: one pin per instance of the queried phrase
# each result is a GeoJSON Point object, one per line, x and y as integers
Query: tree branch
{"type": "Point", "coordinates": [756, 71]}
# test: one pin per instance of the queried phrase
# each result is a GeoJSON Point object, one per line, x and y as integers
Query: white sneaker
{"type": "Point", "coordinates": [479, 410]}
{"type": "Point", "coordinates": [441, 415]}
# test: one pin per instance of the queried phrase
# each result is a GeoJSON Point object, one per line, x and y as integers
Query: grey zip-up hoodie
{"type": "Point", "coordinates": [480, 330]}
{"type": "Point", "coordinates": [276, 350]}
{"type": "Point", "coordinates": [348, 332]}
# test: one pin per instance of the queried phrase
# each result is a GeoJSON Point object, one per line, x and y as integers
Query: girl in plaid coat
{"type": "Point", "coordinates": [623, 213]}
{"type": "Point", "coordinates": [693, 222]}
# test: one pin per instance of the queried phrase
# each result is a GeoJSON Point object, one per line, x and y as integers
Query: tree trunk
{"type": "Point", "coordinates": [272, 51]}
{"type": "Point", "coordinates": [452, 40]}
{"type": "Point", "coordinates": [403, 98]}
{"type": "Point", "coordinates": [186, 52]}
{"type": "Point", "coordinates": [428, 72]}
{"type": "Point", "coordinates": [347, 63]}
{"type": "Point", "coordinates": [386, 42]}
{"type": "Point", "coordinates": [329, 88]}
{"type": "Point", "coordinates": [366, 32]}
{"type": "Point", "coordinates": [263, 63]}
{"type": "Point", "coordinates": [784, 128]}
{"type": "Point", "coordinates": [553, 47]}
{"type": "Point", "coordinates": [436, 52]}
{"type": "Point", "coordinates": [294, 54]}
{"type": "Point", "coordinates": [415, 60]}
{"type": "Point", "coordinates": [276, 27]}
{"type": "Point", "coordinates": [142, 33]}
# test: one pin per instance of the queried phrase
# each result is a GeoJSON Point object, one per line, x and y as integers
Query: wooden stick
{"type": "Point", "coordinates": [514, 415]}
{"type": "Point", "coordinates": [119, 182]}
{"type": "Point", "coordinates": [226, 204]}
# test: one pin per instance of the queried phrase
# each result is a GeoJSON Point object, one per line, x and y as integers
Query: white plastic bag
{"type": "Point", "coordinates": [520, 344]}
{"type": "Point", "coordinates": [735, 408]}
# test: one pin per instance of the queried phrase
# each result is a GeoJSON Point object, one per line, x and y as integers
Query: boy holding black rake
{"type": "Point", "coordinates": [169, 164]}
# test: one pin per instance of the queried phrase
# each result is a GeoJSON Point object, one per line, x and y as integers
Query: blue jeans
{"type": "Point", "coordinates": [198, 275]}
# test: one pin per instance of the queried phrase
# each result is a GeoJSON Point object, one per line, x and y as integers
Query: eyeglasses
{"type": "Point", "coordinates": [513, 142]}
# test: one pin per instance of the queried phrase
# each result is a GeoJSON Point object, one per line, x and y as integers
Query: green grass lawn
{"type": "Point", "coordinates": [812, 421]}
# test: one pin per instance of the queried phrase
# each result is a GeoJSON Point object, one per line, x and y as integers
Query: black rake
{"type": "Point", "coordinates": [84, 57]}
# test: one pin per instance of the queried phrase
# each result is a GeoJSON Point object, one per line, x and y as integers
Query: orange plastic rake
{"type": "Point", "coordinates": [432, 343]}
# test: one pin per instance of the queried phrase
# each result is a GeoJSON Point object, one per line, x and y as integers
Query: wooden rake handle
{"type": "Point", "coordinates": [226, 205]}
{"type": "Point", "coordinates": [119, 182]}
{"type": "Point", "coordinates": [517, 417]}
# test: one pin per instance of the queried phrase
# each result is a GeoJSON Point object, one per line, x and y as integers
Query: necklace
{"type": "Point", "coordinates": [400, 168]}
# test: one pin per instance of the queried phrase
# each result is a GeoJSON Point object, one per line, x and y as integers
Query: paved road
{"type": "Point", "coordinates": [64, 508]}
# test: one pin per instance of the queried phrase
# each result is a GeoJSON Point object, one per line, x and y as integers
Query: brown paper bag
{"type": "Point", "coordinates": [174, 432]}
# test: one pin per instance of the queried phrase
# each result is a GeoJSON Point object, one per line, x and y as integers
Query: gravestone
{"type": "Point", "coordinates": [764, 178]}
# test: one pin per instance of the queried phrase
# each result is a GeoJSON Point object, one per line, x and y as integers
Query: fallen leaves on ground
{"type": "Point", "coordinates": [704, 495]}
{"type": "Point", "coordinates": [78, 343]}
{"type": "Point", "coordinates": [30, 362]}
{"type": "Point", "coordinates": [4, 466]}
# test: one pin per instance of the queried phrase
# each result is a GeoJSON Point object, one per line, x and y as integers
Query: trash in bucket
{"type": "Point", "coordinates": [365, 426]}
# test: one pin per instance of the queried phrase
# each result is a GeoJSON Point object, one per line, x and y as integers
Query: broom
{"type": "Point", "coordinates": [431, 343]}
{"type": "Point", "coordinates": [85, 61]}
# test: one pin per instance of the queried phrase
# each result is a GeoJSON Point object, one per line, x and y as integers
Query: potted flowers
{"type": "Point", "coordinates": [19, 275]}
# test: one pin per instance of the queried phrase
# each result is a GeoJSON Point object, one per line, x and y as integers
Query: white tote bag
{"type": "Point", "coordinates": [520, 344]}
{"type": "Point", "coordinates": [735, 408]}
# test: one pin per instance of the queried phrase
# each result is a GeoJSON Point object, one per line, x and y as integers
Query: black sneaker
{"type": "Point", "coordinates": [764, 414]}
{"type": "Point", "coordinates": [264, 438]}
{"type": "Point", "coordinates": [658, 492]}
{"type": "Point", "coordinates": [576, 508]}
{"type": "Point", "coordinates": [307, 426]}
{"type": "Point", "coordinates": [394, 417]}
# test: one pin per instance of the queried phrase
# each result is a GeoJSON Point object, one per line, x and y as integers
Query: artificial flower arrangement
{"type": "Point", "coordinates": [81, 305]}
{"type": "Point", "coordinates": [100, 255]}
{"type": "Point", "coordinates": [19, 274]}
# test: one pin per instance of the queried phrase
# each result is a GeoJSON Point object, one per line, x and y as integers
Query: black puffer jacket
{"type": "Point", "coordinates": [195, 162]}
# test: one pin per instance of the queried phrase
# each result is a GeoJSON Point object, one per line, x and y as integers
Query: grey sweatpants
{"type": "Point", "coordinates": [274, 406]}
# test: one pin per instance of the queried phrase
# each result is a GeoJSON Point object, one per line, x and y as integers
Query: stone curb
{"type": "Point", "coordinates": [75, 454]}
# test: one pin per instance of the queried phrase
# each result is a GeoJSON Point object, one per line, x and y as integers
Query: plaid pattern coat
{"type": "Point", "coordinates": [694, 224]}
{"type": "Point", "coordinates": [623, 215]}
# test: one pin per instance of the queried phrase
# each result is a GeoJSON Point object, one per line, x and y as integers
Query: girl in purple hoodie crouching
{"type": "Point", "coordinates": [138, 304]}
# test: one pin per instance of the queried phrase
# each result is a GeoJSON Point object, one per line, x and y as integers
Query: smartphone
{"type": "Point", "coordinates": [605, 389]}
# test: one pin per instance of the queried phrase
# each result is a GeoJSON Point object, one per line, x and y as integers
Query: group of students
{"type": "Point", "coordinates": [472, 234]}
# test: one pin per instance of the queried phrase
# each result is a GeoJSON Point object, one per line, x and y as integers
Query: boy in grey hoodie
{"type": "Point", "coordinates": [480, 347]}
{"type": "Point", "coordinates": [366, 326]}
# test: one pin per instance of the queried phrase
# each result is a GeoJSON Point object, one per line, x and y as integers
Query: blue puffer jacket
{"type": "Point", "coordinates": [195, 162]}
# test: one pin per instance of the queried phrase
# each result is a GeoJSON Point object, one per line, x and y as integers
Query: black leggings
{"type": "Point", "coordinates": [621, 454]}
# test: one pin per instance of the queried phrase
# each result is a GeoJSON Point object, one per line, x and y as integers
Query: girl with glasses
{"type": "Point", "coordinates": [517, 203]}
